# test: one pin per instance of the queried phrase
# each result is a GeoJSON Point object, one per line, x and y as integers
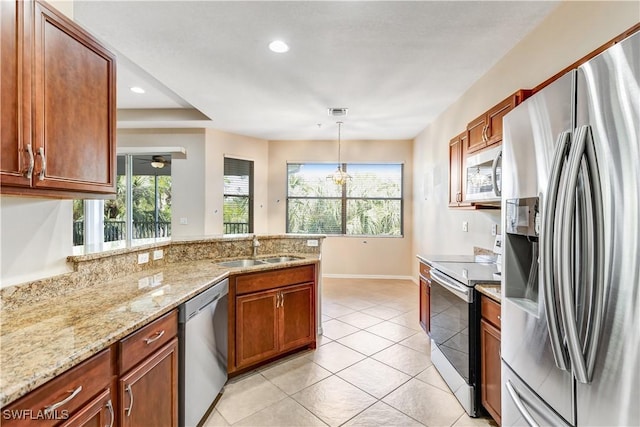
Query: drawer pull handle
{"type": "Point", "coordinates": [111, 414]}
{"type": "Point", "coordinates": [157, 336]}
{"type": "Point", "coordinates": [48, 410]}
{"type": "Point", "coordinates": [128, 390]}
{"type": "Point", "coordinates": [499, 318]}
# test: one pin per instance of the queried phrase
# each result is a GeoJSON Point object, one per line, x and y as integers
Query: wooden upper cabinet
{"type": "Point", "coordinates": [58, 119]}
{"type": "Point", "coordinates": [486, 129]}
{"type": "Point", "coordinates": [456, 170]}
{"type": "Point", "coordinates": [15, 89]}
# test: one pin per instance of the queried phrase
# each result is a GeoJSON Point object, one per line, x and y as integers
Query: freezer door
{"type": "Point", "coordinates": [522, 407]}
{"type": "Point", "coordinates": [531, 133]}
{"type": "Point", "coordinates": [609, 103]}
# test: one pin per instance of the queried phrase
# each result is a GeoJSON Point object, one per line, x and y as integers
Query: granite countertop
{"type": "Point", "coordinates": [493, 291]}
{"type": "Point", "coordinates": [43, 339]}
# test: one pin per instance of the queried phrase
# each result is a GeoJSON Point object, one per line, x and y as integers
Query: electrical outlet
{"type": "Point", "coordinates": [494, 229]}
{"type": "Point", "coordinates": [158, 254]}
{"type": "Point", "coordinates": [312, 243]}
{"type": "Point", "coordinates": [183, 221]}
{"type": "Point", "coordinates": [465, 226]}
{"type": "Point", "coordinates": [143, 258]}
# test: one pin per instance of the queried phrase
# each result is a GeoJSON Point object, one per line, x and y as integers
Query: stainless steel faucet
{"type": "Point", "coordinates": [255, 245]}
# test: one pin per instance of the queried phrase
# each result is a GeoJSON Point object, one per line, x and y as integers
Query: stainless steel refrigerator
{"type": "Point", "coordinates": [571, 251]}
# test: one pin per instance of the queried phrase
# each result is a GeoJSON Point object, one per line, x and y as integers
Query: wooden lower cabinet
{"type": "Point", "coordinates": [425, 297]}
{"type": "Point", "coordinates": [72, 398]}
{"type": "Point", "coordinates": [490, 366]}
{"type": "Point", "coordinates": [296, 325]}
{"type": "Point", "coordinates": [270, 314]}
{"type": "Point", "coordinates": [256, 327]}
{"type": "Point", "coordinates": [148, 392]}
{"type": "Point", "coordinates": [97, 413]}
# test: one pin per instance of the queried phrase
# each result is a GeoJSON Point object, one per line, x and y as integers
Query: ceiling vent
{"type": "Point", "coordinates": [337, 112]}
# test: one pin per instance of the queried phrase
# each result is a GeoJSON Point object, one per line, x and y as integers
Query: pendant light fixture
{"type": "Point", "coordinates": [339, 177]}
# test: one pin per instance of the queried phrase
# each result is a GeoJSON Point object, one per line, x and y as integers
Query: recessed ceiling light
{"type": "Point", "coordinates": [279, 46]}
{"type": "Point", "coordinates": [136, 89]}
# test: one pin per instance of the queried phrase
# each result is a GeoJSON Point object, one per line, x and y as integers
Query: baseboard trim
{"type": "Point", "coordinates": [368, 276]}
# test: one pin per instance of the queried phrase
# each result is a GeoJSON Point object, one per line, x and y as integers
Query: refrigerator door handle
{"type": "Point", "coordinates": [547, 259]}
{"type": "Point", "coordinates": [581, 369]}
{"type": "Point", "coordinates": [520, 405]}
{"type": "Point", "coordinates": [597, 303]}
{"type": "Point", "coordinates": [494, 174]}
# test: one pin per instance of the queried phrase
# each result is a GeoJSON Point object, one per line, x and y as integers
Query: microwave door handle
{"type": "Point", "coordinates": [547, 258]}
{"type": "Point", "coordinates": [567, 305]}
{"type": "Point", "coordinates": [494, 174]}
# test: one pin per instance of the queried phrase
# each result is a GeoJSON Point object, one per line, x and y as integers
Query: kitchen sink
{"type": "Point", "coordinates": [277, 259]}
{"type": "Point", "coordinates": [241, 263]}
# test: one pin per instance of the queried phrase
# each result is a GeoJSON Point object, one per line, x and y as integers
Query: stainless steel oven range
{"type": "Point", "coordinates": [455, 326]}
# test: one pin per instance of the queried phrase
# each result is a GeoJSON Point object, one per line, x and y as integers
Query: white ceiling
{"type": "Point", "coordinates": [396, 65]}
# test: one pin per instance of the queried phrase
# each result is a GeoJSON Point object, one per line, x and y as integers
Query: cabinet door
{"type": "Point", "coordinates": [297, 316]}
{"type": "Point", "coordinates": [494, 120]}
{"type": "Point", "coordinates": [424, 305]}
{"type": "Point", "coordinates": [74, 110]}
{"type": "Point", "coordinates": [149, 392]}
{"type": "Point", "coordinates": [477, 134]}
{"type": "Point", "coordinates": [14, 88]}
{"type": "Point", "coordinates": [490, 369]}
{"type": "Point", "coordinates": [256, 327]}
{"type": "Point", "coordinates": [97, 413]}
{"type": "Point", "coordinates": [455, 171]}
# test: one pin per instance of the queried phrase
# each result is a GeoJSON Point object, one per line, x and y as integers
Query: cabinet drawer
{"type": "Point", "coordinates": [75, 387]}
{"type": "Point", "coordinates": [425, 271]}
{"type": "Point", "coordinates": [146, 340]}
{"type": "Point", "coordinates": [490, 311]}
{"type": "Point", "coordinates": [255, 282]}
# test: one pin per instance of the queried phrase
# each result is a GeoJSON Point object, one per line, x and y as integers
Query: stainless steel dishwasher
{"type": "Point", "coordinates": [202, 332]}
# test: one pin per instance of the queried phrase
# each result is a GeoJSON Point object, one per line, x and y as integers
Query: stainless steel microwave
{"type": "Point", "coordinates": [484, 176]}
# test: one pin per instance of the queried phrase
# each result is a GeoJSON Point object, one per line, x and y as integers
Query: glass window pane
{"type": "Point", "coordinates": [374, 217]}
{"type": "Point", "coordinates": [375, 181]}
{"type": "Point", "coordinates": [238, 194]}
{"type": "Point", "coordinates": [311, 180]}
{"type": "Point", "coordinates": [236, 214]}
{"type": "Point", "coordinates": [315, 216]}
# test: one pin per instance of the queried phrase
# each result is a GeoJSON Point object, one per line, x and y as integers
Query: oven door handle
{"type": "Point", "coordinates": [459, 290]}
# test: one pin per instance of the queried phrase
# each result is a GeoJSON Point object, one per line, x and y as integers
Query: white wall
{"type": "Point", "coordinates": [348, 256]}
{"type": "Point", "coordinates": [220, 144]}
{"type": "Point", "coordinates": [570, 32]}
{"type": "Point", "coordinates": [36, 238]}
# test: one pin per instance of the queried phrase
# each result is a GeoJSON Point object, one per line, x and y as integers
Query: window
{"type": "Point", "coordinates": [150, 186]}
{"type": "Point", "coordinates": [370, 203]}
{"type": "Point", "coordinates": [238, 196]}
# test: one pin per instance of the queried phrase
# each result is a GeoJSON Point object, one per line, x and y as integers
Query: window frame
{"type": "Point", "coordinates": [344, 199]}
{"type": "Point", "coordinates": [250, 196]}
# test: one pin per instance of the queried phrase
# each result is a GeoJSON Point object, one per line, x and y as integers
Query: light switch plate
{"type": "Point", "coordinates": [143, 258]}
{"type": "Point", "coordinates": [465, 226]}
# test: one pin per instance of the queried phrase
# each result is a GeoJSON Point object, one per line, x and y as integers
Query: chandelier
{"type": "Point", "coordinates": [339, 177]}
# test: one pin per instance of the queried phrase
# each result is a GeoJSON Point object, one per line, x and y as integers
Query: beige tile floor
{"type": "Point", "coordinates": [371, 368]}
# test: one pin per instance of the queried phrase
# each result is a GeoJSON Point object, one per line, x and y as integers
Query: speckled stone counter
{"type": "Point", "coordinates": [492, 291]}
{"type": "Point", "coordinates": [42, 338]}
